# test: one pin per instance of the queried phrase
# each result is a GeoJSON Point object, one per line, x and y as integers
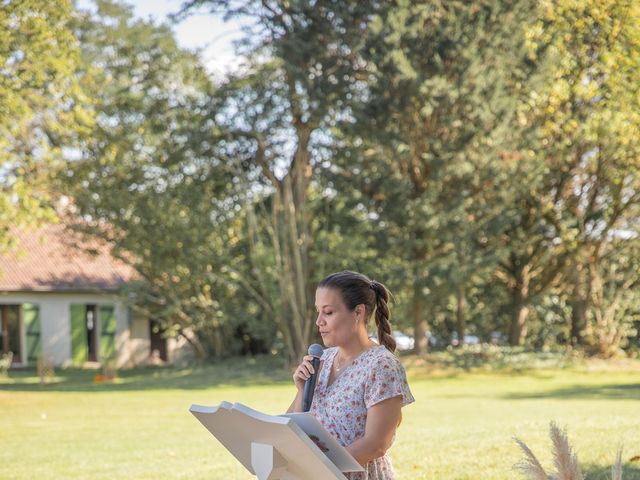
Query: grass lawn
{"type": "Point", "coordinates": [460, 427]}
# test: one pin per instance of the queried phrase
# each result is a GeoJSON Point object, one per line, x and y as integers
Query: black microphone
{"type": "Point", "coordinates": [315, 351]}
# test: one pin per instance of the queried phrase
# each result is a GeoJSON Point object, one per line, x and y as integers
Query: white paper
{"type": "Point", "coordinates": [326, 442]}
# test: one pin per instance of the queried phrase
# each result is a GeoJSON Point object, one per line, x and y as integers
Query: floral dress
{"type": "Point", "coordinates": [341, 407]}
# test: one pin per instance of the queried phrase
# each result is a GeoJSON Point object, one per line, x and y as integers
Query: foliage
{"type": "Point", "coordinates": [151, 181]}
{"type": "Point", "coordinates": [497, 358]}
{"type": "Point", "coordinates": [479, 158]}
{"type": "Point", "coordinates": [42, 107]}
{"type": "Point", "coordinates": [274, 115]}
{"type": "Point", "coordinates": [581, 122]}
{"type": "Point", "coordinates": [438, 103]}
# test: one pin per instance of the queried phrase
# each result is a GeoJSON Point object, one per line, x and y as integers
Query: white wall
{"type": "Point", "coordinates": [132, 333]}
{"type": "Point", "coordinates": [135, 343]}
{"type": "Point", "coordinates": [55, 320]}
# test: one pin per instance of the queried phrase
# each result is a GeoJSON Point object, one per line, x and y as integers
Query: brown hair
{"type": "Point", "coordinates": [355, 289]}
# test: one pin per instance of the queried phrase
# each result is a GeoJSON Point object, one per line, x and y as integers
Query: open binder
{"type": "Point", "coordinates": [292, 446]}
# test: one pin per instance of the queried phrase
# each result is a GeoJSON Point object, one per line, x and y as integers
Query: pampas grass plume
{"type": "Point", "coordinates": [566, 460]}
{"type": "Point", "coordinates": [529, 466]}
{"type": "Point", "coordinates": [616, 470]}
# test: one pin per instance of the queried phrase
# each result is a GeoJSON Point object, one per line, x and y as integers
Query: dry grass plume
{"type": "Point", "coordinates": [565, 460]}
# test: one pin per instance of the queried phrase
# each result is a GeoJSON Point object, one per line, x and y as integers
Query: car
{"type": "Point", "coordinates": [498, 338]}
{"type": "Point", "coordinates": [403, 341]}
{"type": "Point", "coordinates": [433, 340]}
{"type": "Point", "coordinates": [468, 339]}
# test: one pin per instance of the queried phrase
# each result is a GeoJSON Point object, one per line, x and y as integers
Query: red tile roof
{"type": "Point", "coordinates": [49, 259]}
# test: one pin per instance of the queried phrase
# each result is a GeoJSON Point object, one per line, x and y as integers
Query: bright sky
{"type": "Point", "coordinates": [201, 31]}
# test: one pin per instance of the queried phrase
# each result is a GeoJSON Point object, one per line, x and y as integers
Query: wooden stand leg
{"type": "Point", "coordinates": [267, 462]}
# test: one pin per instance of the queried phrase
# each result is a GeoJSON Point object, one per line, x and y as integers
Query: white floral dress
{"type": "Point", "coordinates": [341, 407]}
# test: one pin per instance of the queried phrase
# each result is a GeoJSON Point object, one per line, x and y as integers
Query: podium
{"type": "Point", "coordinates": [277, 447]}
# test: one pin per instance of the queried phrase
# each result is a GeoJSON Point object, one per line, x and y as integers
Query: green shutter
{"type": "Point", "coordinates": [78, 334]}
{"type": "Point", "coordinates": [31, 318]}
{"type": "Point", "coordinates": [107, 331]}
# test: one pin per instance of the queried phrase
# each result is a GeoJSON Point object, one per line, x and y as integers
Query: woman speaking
{"type": "Point", "coordinates": [361, 385]}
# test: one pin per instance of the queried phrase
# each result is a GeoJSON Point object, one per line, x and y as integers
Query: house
{"type": "Point", "coordinates": [60, 302]}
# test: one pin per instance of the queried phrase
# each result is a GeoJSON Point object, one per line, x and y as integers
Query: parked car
{"type": "Point", "coordinates": [498, 338]}
{"type": "Point", "coordinates": [403, 341]}
{"type": "Point", "coordinates": [468, 339]}
{"type": "Point", "coordinates": [434, 341]}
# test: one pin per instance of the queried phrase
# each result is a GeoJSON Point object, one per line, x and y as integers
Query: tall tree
{"type": "Point", "coordinates": [300, 72]}
{"type": "Point", "coordinates": [439, 94]}
{"type": "Point", "coordinates": [587, 123]}
{"type": "Point", "coordinates": [150, 180]}
{"type": "Point", "coordinates": [42, 107]}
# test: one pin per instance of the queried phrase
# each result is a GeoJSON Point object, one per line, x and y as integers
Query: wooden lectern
{"type": "Point", "coordinates": [277, 447]}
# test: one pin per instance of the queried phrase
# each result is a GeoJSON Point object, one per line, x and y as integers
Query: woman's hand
{"type": "Point", "coordinates": [303, 372]}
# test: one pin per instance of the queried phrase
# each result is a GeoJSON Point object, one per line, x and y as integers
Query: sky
{"type": "Point", "coordinates": [199, 31]}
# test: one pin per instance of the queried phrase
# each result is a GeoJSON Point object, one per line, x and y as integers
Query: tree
{"type": "Point", "coordinates": [438, 97]}
{"type": "Point", "coordinates": [151, 182]}
{"type": "Point", "coordinates": [42, 107]}
{"type": "Point", "coordinates": [585, 121]}
{"type": "Point", "coordinates": [299, 73]}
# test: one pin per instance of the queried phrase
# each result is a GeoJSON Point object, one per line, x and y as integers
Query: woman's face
{"type": "Point", "coordinates": [336, 323]}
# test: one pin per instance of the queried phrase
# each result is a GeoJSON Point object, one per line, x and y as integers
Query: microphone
{"type": "Point", "coordinates": [315, 351]}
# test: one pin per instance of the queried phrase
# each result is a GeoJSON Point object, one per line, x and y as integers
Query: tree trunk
{"type": "Point", "coordinates": [520, 312]}
{"type": "Point", "coordinates": [194, 341]}
{"type": "Point", "coordinates": [579, 305]}
{"type": "Point", "coordinates": [419, 322]}
{"type": "Point", "coordinates": [518, 330]}
{"type": "Point", "coordinates": [460, 320]}
{"type": "Point", "coordinates": [418, 256]}
{"type": "Point", "coordinates": [606, 331]}
{"type": "Point", "coordinates": [291, 239]}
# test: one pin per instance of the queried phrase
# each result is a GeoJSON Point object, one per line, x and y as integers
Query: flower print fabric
{"type": "Point", "coordinates": [341, 407]}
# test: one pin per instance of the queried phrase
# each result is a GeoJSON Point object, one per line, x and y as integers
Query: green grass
{"type": "Point", "coordinates": [460, 427]}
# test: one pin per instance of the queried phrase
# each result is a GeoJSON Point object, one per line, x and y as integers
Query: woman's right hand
{"type": "Point", "coordinates": [303, 372]}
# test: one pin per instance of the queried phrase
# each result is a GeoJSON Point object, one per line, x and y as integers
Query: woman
{"type": "Point", "coordinates": [361, 384]}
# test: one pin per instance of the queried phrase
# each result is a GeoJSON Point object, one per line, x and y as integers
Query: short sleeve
{"type": "Point", "coordinates": [387, 379]}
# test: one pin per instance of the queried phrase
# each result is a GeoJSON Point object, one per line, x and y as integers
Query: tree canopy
{"type": "Point", "coordinates": [42, 107]}
{"type": "Point", "coordinates": [480, 158]}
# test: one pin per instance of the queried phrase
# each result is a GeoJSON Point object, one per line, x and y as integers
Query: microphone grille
{"type": "Point", "coordinates": [316, 350]}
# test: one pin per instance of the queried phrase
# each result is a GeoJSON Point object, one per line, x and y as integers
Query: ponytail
{"type": "Point", "coordinates": [382, 316]}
